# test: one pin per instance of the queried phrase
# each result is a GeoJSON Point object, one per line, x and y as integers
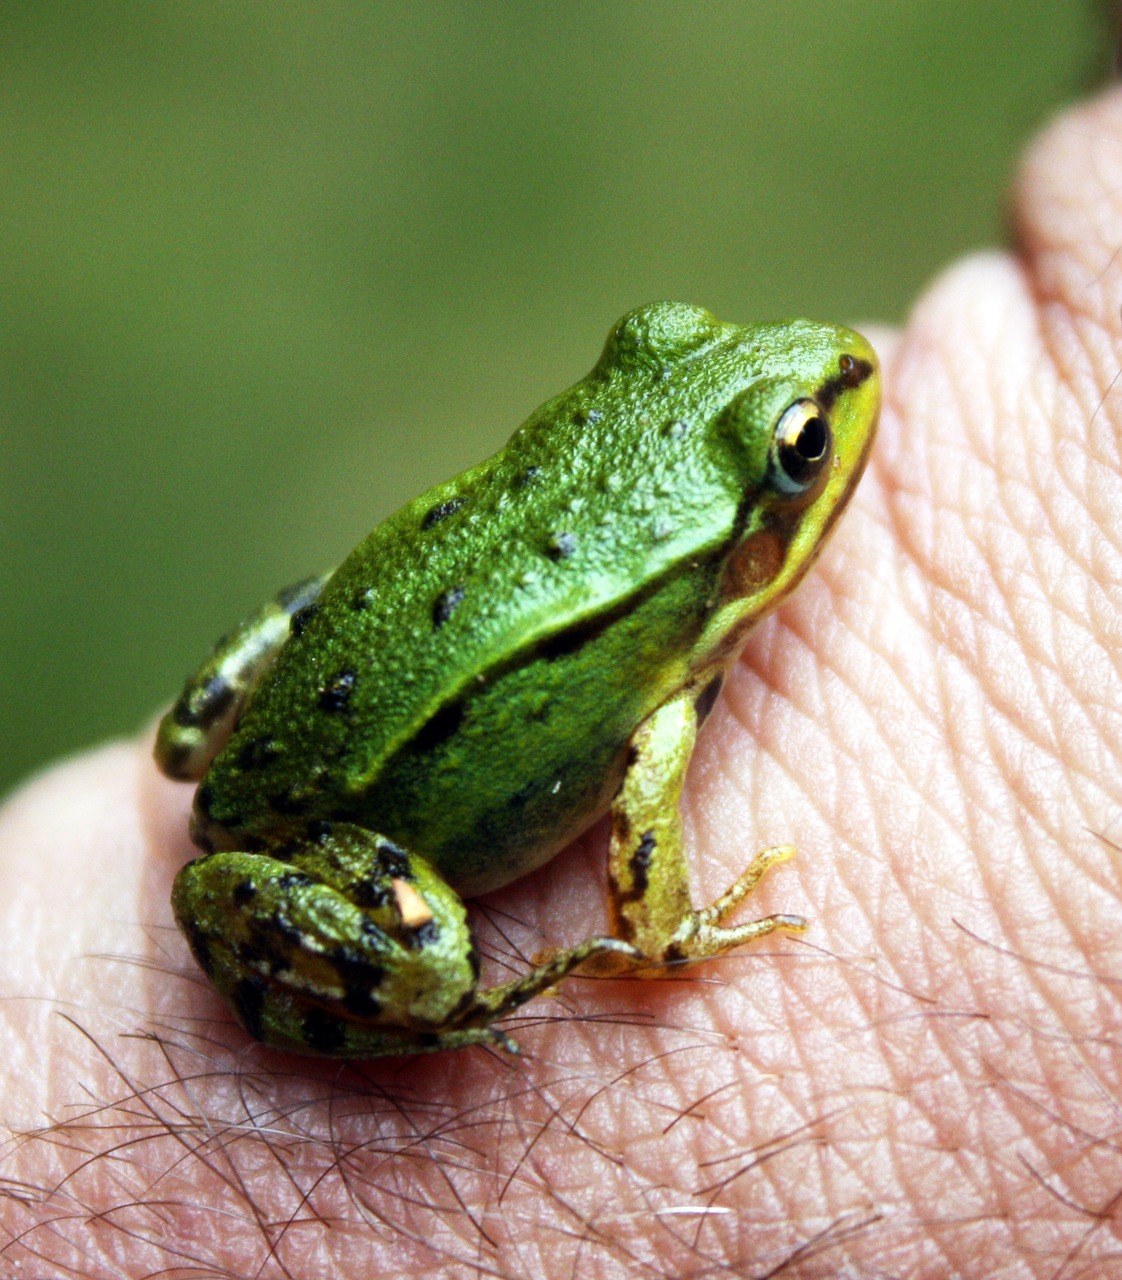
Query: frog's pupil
{"type": "Point", "coordinates": [811, 442]}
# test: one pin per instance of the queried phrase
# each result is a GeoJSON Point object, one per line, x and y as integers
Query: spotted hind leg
{"type": "Point", "coordinates": [337, 941]}
{"type": "Point", "coordinates": [196, 728]}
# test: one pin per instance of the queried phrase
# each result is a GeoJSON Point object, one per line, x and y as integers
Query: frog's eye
{"type": "Point", "coordinates": [800, 446]}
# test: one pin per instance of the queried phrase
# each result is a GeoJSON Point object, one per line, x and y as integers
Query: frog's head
{"type": "Point", "coordinates": [800, 403]}
{"type": "Point", "coordinates": [791, 411]}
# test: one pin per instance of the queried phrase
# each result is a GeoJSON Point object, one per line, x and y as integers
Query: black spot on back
{"type": "Point", "coordinates": [183, 713]}
{"type": "Point", "coordinates": [293, 880]}
{"type": "Point", "coordinates": [258, 753]}
{"type": "Point", "coordinates": [174, 759]}
{"type": "Point", "coordinates": [286, 850]}
{"type": "Point", "coordinates": [707, 698]}
{"type": "Point", "coordinates": [368, 893]}
{"type": "Point", "coordinates": [204, 704]}
{"type": "Point", "coordinates": [267, 934]}
{"type": "Point", "coordinates": [244, 892]}
{"type": "Point", "coordinates": [441, 511]}
{"type": "Point", "coordinates": [290, 802]}
{"type": "Point", "coordinates": [363, 1004]}
{"type": "Point", "coordinates": [561, 545]}
{"type": "Point", "coordinates": [446, 603]}
{"type": "Point", "coordinates": [641, 858]}
{"type": "Point", "coordinates": [204, 800]}
{"type": "Point", "coordinates": [199, 944]}
{"type": "Point", "coordinates": [335, 696]}
{"type": "Point", "coordinates": [357, 970]}
{"type": "Point", "coordinates": [421, 935]}
{"type": "Point", "coordinates": [302, 617]}
{"type": "Point", "coordinates": [393, 860]}
{"type": "Point", "coordinates": [639, 865]}
{"type": "Point", "coordinates": [248, 999]}
{"type": "Point", "coordinates": [321, 1032]}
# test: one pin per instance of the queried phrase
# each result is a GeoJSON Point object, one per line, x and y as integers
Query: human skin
{"type": "Point", "coordinates": [928, 1083]}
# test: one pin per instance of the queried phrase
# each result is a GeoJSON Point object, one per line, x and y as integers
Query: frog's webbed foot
{"type": "Point", "coordinates": [342, 943]}
{"type": "Point", "coordinates": [197, 727]}
{"type": "Point", "coordinates": [647, 870]}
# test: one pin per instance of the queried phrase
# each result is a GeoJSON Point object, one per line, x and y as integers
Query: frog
{"type": "Point", "coordinates": [509, 657]}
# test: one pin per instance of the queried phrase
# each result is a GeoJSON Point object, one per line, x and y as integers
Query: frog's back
{"type": "Point", "coordinates": [589, 512]}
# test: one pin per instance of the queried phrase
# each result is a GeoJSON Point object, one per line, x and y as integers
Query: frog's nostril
{"type": "Point", "coordinates": [854, 371]}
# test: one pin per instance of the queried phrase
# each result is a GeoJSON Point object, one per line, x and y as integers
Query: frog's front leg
{"type": "Point", "coordinates": [196, 728]}
{"type": "Point", "coordinates": [340, 942]}
{"type": "Point", "coordinates": [647, 869]}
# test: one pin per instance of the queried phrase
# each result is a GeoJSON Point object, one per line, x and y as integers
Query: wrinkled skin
{"type": "Point", "coordinates": [934, 720]}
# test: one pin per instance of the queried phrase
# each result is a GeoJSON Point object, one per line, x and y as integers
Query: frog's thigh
{"type": "Point", "coordinates": [348, 945]}
{"type": "Point", "coordinates": [345, 944]}
{"type": "Point", "coordinates": [196, 728]}
{"type": "Point", "coordinates": [648, 874]}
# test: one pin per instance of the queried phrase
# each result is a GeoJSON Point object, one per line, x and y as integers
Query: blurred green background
{"type": "Point", "coordinates": [268, 269]}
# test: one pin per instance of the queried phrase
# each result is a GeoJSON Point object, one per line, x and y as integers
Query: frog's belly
{"type": "Point", "coordinates": [497, 785]}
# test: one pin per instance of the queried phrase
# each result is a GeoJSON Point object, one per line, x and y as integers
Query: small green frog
{"type": "Point", "coordinates": [508, 657]}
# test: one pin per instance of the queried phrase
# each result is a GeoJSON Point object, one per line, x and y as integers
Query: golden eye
{"type": "Point", "coordinates": [800, 446]}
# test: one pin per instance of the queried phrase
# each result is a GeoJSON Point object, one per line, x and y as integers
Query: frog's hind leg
{"type": "Point", "coordinates": [340, 942]}
{"type": "Point", "coordinates": [197, 727]}
{"type": "Point", "coordinates": [647, 869]}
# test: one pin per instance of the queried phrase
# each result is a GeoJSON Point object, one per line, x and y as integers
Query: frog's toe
{"type": "Point", "coordinates": [595, 957]}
